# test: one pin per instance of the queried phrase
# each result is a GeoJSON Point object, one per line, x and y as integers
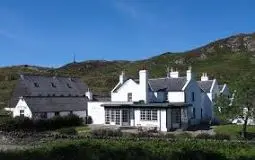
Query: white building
{"type": "Point", "coordinates": [165, 103]}
{"type": "Point", "coordinates": [211, 89]}
{"type": "Point", "coordinates": [45, 97]}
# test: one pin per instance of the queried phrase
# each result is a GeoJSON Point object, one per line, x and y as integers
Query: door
{"type": "Point", "coordinates": [125, 117]}
{"type": "Point", "coordinates": [176, 118]}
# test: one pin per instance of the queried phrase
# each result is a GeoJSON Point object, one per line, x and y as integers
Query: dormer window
{"type": "Point", "coordinates": [53, 85]}
{"type": "Point", "coordinates": [68, 85]}
{"type": "Point", "coordinates": [36, 85]}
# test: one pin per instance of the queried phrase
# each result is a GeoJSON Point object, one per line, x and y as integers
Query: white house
{"type": "Point", "coordinates": [165, 103]}
{"type": "Point", "coordinates": [211, 89]}
{"type": "Point", "coordinates": [45, 97]}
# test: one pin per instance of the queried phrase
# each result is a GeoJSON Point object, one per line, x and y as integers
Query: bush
{"type": "Point", "coordinates": [135, 149]}
{"type": "Point", "coordinates": [68, 131]}
{"type": "Point", "coordinates": [184, 135]}
{"type": "Point", "coordinates": [26, 124]}
{"type": "Point", "coordinates": [204, 136]}
{"type": "Point", "coordinates": [88, 120]}
{"type": "Point", "coordinates": [221, 136]}
{"type": "Point", "coordinates": [106, 133]}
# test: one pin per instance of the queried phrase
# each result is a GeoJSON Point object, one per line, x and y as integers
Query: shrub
{"type": "Point", "coordinates": [204, 136]}
{"type": "Point", "coordinates": [221, 136]}
{"type": "Point", "coordinates": [26, 124]}
{"type": "Point", "coordinates": [184, 135]}
{"type": "Point", "coordinates": [67, 131]}
{"type": "Point", "coordinates": [88, 120]}
{"type": "Point", "coordinates": [106, 133]}
{"type": "Point", "coordinates": [170, 135]}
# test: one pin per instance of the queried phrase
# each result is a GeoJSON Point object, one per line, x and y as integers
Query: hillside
{"type": "Point", "coordinates": [227, 59]}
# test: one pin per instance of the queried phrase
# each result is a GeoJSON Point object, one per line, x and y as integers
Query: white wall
{"type": "Point", "coordinates": [176, 97]}
{"type": "Point", "coordinates": [97, 112]}
{"type": "Point", "coordinates": [160, 123]}
{"type": "Point", "coordinates": [193, 87]}
{"type": "Point", "coordinates": [22, 105]}
{"type": "Point", "coordinates": [139, 91]}
{"type": "Point", "coordinates": [128, 87]}
{"type": "Point", "coordinates": [207, 107]}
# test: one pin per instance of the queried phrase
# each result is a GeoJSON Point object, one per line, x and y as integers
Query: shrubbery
{"type": "Point", "coordinates": [26, 124]}
{"type": "Point", "coordinates": [68, 131]}
{"type": "Point", "coordinates": [132, 149]}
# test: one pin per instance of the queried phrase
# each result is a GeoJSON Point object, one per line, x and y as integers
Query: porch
{"type": "Point", "coordinates": [162, 116]}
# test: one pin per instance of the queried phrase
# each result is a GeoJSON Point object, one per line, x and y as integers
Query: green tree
{"type": "Point", "coordinates": [243, 103]}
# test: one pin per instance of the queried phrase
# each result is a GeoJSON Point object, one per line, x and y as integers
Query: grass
{"type": "Point", "coordinates": [233, 130]}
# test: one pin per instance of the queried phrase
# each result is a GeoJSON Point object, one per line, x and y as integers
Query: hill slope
{"type": "Point", "coordinates": [226, 59]}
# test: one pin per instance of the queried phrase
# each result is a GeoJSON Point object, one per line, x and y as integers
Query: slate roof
{"type": "Point", "coordinates": [62, 85]}
{"type": "Point", "coordinates": [164, 84]}
{"type": "Point", "coordinates": [205, 85]}
{"type": "Point", "coordinates": [167, 84]}
{"type": "Point", "coordinates": [45, 86]}
{"type": "Point", "coordinates": [56, 104]}
{"type": "Point", "coordinates": [221, 87]}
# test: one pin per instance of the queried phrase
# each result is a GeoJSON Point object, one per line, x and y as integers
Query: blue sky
{"type": "Point", "coordinates": [48, 32]}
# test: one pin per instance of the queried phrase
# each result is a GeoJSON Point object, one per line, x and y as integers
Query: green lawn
{"type": "Point", "coordinates": [233, 130]}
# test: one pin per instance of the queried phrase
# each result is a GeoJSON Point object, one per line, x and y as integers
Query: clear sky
{"type": "Point", "coordinates": [48, 32]}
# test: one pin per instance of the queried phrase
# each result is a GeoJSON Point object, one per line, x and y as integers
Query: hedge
{"type": "Point", "coordinates": [131, 149]}
{"type": "Point", "coordinates": [26, 124]}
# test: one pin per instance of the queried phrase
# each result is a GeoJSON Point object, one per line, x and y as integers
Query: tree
{"type": "Point", "coordinates": [243, 103]}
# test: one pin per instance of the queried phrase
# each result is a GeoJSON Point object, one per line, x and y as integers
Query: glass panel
{"type": "Point", "coordinates": [154, 115]}
{"type": "Point", "coordinates": [148, 115]}
{"type": "Point", "coordinates": [117, 117]}
{"type": "Point", "coordinates": [124, 115]}
{"type": "Point", "coordinates": [113, 115]}
{"type": "Point", "coordinates": [107, 116]}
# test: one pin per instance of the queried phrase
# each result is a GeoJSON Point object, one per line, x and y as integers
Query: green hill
{"type": "Point", "coordinates": [226, 59]}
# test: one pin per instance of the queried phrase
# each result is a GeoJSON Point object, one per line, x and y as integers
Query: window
{"type": "Point", "coordinates": [149, 115]}
{"type": "Point", "coordinates": [117, 117]}
{"type": "Point", "coordinates": [201, 113]}
{"type": "Point", "coordinates": [21, 113]}
{"type": "Point", "coordinates": [176, 115]}
{"type": "Point", "coordinates": [194, 112]}
{"type": "Point", "coordinates": [36, 85]}
{"type": "Point", "coordinates": [68, 85]}
{"type": "Point", "coordinates": [154, 115]}
{"type": "Point", "coordinates": [113, 115]}
{"type": "Point", "coordinates": [53, 85]}
{"type": "Point", "coordinates": [193, 96]}
{"type": "Point", "coordinates": [129, 97]}
{"type": "Point", "coordinates": [56, 113]}
{"type": "Point", "coordinates": [107, 116]}
{"type": "Point", "coordinates": [43, 115]}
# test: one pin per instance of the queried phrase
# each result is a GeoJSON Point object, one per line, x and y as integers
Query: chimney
{"type": "Point", "coordinates": [89, 94]}
{"type": "Point", "coordinates": [174, 74]}
{"type": "Point", "coordinates": [22, 76]}
{"type": "Point", "coordinates": [204, 77]}
{"type": "Point", "coordinates": [143, 84]}
{"type": "Point", "coordinates": [122, 77]}
{"type": "Point", "coordinates": [189, 73]}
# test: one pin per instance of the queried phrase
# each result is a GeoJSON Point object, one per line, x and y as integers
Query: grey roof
{"type": "Point", "coordinates": [167, 84]}
{"type": "Point", "coordinates": [221, 87]}
{"type": "Point", "coordinates": [56, 104]}
{"type": "Point", "coordinates": [150, 105]}
{"type": "Point", "coordinates": [63, 86]}
{"type": "Point", "coordinates": [205, 85]}
{"type": "Point", "coordinates": [101, 98]}
{"type": "Point", "coordinates": [163, 84]}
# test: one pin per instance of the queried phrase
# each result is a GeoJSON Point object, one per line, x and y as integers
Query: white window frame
{"type": "Point", "coordinates": [148, 115]}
